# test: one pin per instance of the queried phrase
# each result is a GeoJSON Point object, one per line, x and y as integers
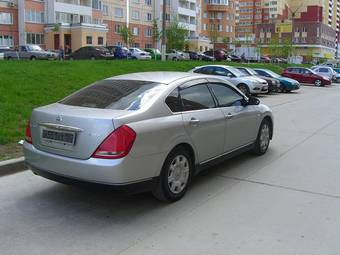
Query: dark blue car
{"type": "Point", "coordinates": [118, 51]}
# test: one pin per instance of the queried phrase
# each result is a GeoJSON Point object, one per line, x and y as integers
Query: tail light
{"type": "Point", "coordinates": [28, 134]}
{"type": "Point", "coordinates": [117, 145]}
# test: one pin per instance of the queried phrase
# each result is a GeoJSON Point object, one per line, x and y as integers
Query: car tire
{"type": "Point", "coordinates": [244, 88]}
{"type": "Point", "coordinates": [318, 83]}
{"type": "Point", "coordinates": [337, 80]}
{"type": "Point", "coordinates": [33, 58]}
{"type": "Point", "coordinates": [263, 138]}
{"type": "Point", "coordinates": [93, 58]}
{"type": "Point", "coordinates": [9, 58]}
{"type": "Point", "coordinates": [175, 176]}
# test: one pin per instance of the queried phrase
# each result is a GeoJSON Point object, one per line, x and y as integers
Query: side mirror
{"type": "Point", "coordinates": [251, 101]}
{"type": "Point", "coordinates": [229, 75]}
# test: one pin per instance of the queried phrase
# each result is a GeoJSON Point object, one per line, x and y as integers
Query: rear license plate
{"type": "Point", "coordinates": [58, 136]}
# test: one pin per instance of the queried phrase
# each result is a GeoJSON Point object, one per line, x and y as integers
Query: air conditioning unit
{"type": "Point", "coordinates": [11, 4]}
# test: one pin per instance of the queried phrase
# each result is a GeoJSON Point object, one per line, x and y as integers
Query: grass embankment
{"type": "Point", "coordinates": [25, 85]}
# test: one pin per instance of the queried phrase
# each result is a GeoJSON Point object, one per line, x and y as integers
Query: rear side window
{"type": "Point", "coordinates": [205, 70]}
{"type": "Point", "coordinates": [260, 72]}
{"type": "Point", "coordinates": [225, 95]}
{"type": "Point", "coordinates": [196, 97]}
{"type": "Point", "coordinates": [174, 101]}
{"type": "Point", "coordinates": [115, 94]}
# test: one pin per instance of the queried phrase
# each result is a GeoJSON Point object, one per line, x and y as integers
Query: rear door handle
{"type": "Point", "coordinates": [194, 121]}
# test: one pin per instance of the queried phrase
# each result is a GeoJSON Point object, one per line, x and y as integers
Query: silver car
{"type": "Point", "coordinates": [246, 83]}
{"type": "Point", "coordinates": [145, 131]}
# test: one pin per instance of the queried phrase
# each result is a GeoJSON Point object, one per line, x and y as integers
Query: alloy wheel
{"type": "Point", "coordinates": [264, 137]}
{"type": "Point", "coordinates": [178, 174]}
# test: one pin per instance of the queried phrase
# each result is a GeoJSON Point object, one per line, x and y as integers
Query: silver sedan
{"type": "Point", "coordinates": [145, 132]}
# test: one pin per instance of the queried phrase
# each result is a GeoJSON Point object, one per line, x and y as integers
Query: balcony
{"type": "Point", "coordinates": [218, 8]}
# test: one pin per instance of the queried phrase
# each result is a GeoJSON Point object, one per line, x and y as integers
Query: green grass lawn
{"type": "Point", "coordinates": [25, 85]}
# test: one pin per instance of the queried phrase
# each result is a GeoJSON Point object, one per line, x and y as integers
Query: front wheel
{"type": "Point", "coordinates": [318, 83]}
{"type": "Point", "coordinates": [263, 138]}
{"type": "Point", "coordinates": [244, 89]}
{"type": "Point", "coordinates": [175, 176]}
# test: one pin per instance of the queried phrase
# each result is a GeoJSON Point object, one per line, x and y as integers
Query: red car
{"type": "Point", "coordinates": [306, 75]}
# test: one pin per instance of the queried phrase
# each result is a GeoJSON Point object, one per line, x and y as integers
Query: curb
{"type": "Point", "coordinates": [12, 166]}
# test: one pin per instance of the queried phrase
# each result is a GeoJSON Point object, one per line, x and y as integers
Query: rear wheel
{"type": "Point", "coordinates": [244, 88]}
{"type": "Point", "coordinates": [175, 176]}
{"type": "Point", "coordinates": [318, 83]}
{"type": "Point", "coordinates": [263, 138]}
{"type": "Point", "coordinates": [93, 58]}
{"type": "Point", "coordinates": [33, 58]}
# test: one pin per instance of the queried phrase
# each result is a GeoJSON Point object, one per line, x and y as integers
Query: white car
{"type": "Point", "coordinates": [177, 55]}
{"type": "Point", "coordinates": [247, 84]}
{"type": "Point", "coordinates": [2, 51]}
{"type": "Point", "coordinates": [325, 71]}
{"type": "Point", "coordinates": [136, 53]}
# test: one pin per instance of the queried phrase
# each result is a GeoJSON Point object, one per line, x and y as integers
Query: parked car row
{"type": "Point", "coordinates": [250, 81]}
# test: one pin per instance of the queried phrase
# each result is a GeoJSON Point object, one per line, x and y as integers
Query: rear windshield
{"type": "Point", "coordinates": [115, 94]}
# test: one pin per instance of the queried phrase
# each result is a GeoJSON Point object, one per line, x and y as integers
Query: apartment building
{"type": "Point", "coordinates": [219, 16]}
{"type": "Point", "coordinates": [8, 23]}
{"type": "Point", "coordinates": [311, 26]}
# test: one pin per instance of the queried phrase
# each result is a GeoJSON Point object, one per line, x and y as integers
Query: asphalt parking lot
{"type": "Point", "coordinates": [285, 202]}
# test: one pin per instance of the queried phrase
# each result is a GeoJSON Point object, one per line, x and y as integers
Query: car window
{"type": "Point", "coordinates": [174, 101]}
{"type": "Point", "coordinates": [196, 97]}
{"type": "Point", "coordinates": [115, 94]}
{"type": "Point", "coordinates": [205, 70]}
{"type": "Point", "coordinates": [323, 70]}
{"type": "Point", "coordinates": [225, 95]}
{"type": "Point", "coordinates": [263, 73]}
{"type": "Point", "coordinates": [221, 71]}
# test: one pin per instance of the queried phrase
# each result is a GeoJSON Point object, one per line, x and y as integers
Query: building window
{"type": "Point", "coordinates": [148, 32]}
{"type": "Point", "coordinates": [32, 38]}
{"type": "Point", "coordinates": [6, 18]}
{"type": "Point", "coordinates": [135, 1]}
{"type": "Point", "coordinates": [6, 40]}
{"type": "Point", "coordinates": [100, 40]}
{"type": "Point", "coordinates": [97, 4]}
{"type": "Point", "coordinates": [148, 17]}
{"type": "Point", "coordinates": [135, 31]}
{"type": "Point", "coordinates": [117, 29]}
{"type": "Point", "coordinates": [135, 15]}
{"type": "Point", "coordinates": [219, 28]}
{"type": "Point", "coordinates": [148, 45]}
{"type": "Point", "coordinates": [148, 2]}
{"type": "Point", "coordinates": [34, 16]}
{"type": "Point", "coordinates": [136, 45]}
{"type": "Point", "coordinates": [119, 12]}
{"type": "Point", "coordinates": [105, 10]}
{"type": "Point", "coordinates": [204, 27]}
{"type": "Point", "coordinates": [88, 39]}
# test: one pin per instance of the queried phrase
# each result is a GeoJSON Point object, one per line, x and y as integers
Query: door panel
{"type": "Point", "coordinates": [203, 122]}
{"type": "Point", "coordinates": [241, 126]}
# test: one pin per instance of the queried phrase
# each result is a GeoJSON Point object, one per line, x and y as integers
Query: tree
{"type": "Point", "coordinates": [273, 46]}
{"type": "Point", "coordinates": [176, 35]}
{"type": "Point", "coordinates": [127, 36]}
{"type": "Point", "coordinates": [287, 48]}
{"type": "Point", "coordinates": [156, 34]}
{"type": "Point", "coordinates": [213, 35]}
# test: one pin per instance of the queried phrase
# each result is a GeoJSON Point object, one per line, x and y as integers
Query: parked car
{"type": "Point", "coordinates": [247, 84]}
{"type": "Point", "coordinates": [306, 75]}
{"type": "Point", "coordinates": [91, 52]}
{"type": "Point", "coordinates": [337, 76]}
{"type": "Point", "coordinates": [154, 53]}
{"type": "Point", "coordinates": [2, 52]}
{"type": "Point", "coordinates": [235, 58]}
{"type": "Point", "coordinates": [177, 55]}
{"type": "Point", "coordinates": [273, 84]}
{"type": "Point", "coordinates": [286, 84]}
{"type": "Point", "coordinates": [325, 71]}
{"type": "Point", "coordinates": [193, 55]}
{"type": "Point", "coordinates": [31, 52]}
{"type": "Point", "coordinates": [118, 52]}
{"type": "Point", "coordinates": [111, 139]}
{"type": "Point", "coordinates": [139, 54]}
{"type": "Point", "coordinates": [205, 57]}
{"type": "Point", "coordinates": [219, 55]}
{"type": "Point", "coordinates": [265, 59]}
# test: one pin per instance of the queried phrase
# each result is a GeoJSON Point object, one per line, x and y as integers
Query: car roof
{"type": "Point", "coordinates": [165, 77]}
{"type": "Point", "coordinates": [224, 66]}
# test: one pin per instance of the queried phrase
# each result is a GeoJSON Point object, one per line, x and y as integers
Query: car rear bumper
{"type": "Point", "coordinates": [110, 172]}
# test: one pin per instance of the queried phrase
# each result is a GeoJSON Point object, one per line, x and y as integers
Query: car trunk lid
{"type": "Point", "coordinates": [71, 131]}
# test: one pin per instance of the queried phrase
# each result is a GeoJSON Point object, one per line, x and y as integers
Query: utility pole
{"type": "Point", "coordinates": [163, 46]}
{"type": "Point", "coordinates": [293, 13]}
